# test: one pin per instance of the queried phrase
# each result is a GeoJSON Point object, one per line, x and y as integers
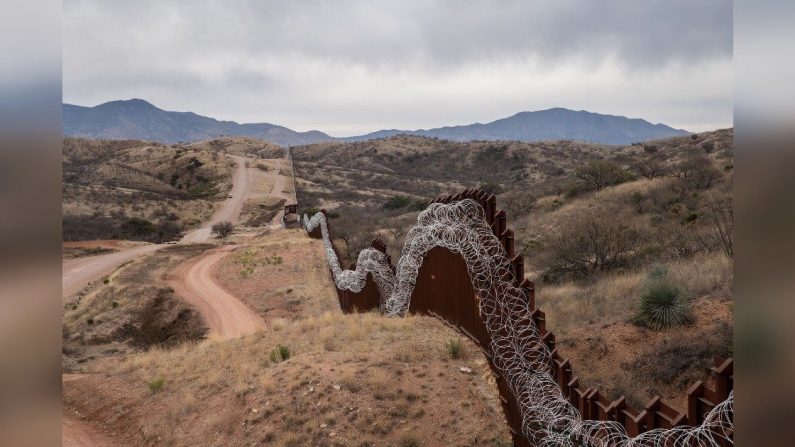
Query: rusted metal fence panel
{"type": "Point", "coordinates": [443, 289]}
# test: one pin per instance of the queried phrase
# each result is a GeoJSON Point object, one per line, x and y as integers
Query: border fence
{"type": "Point", "coordinates": [444, 290]}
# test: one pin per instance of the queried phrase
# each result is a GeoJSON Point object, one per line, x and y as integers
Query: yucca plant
{"type": "Point", "coordinates": [662, 303]}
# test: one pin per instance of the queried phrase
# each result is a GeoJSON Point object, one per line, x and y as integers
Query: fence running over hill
{"type": "Point", "coordinates": [460, 266]}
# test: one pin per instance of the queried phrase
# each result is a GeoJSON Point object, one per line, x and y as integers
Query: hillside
{"type": "Point", "coordinates": [598, 226]}
{"type": "Point", "coordinates": [141, 369]}
{"type": "Point", "coordinates": [137, 190]}
{"type": "Point", "coordinates": [543, 125]}
{"type": "Point", "coordinates": [140, 120]}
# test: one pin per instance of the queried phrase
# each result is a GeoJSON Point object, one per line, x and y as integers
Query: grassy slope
{"type": "Point", "coordinates": [350, 380]}
{"type": "Point", "coordinates": [591, 316]}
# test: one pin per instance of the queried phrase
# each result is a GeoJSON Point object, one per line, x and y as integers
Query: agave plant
{"type": "Point", "coordinates": [662, 303]}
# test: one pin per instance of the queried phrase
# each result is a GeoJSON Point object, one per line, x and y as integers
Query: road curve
{"type": "Point", "coordinates": [231, 208]}
{"type": "Point", "coordinates": [78, 272]}
{"type": "Point", "coordinates": [225, 315]}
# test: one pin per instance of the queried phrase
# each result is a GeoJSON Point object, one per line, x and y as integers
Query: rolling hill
{"type": "Point", "coordinates": [139, 119]}
{"type": "Point", "coordinates": [547, 125]}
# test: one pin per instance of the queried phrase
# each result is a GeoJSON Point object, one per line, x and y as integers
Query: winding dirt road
{"type": "Point", "coordinates": [79, 272]}
{"type": "Point", "coordinates": [225, 315]}
{"type": "Point", "coordinates": [231, 208]}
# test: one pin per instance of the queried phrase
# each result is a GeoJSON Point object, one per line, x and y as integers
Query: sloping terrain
{"type": "Point", "coordinates": [138, 190]}
{"type": "Point", "coordinates": [544, 125]}
{"type": "Point", "coordinates": [312, 376]}
{"type": "Point", "coordinates": [598, 225]}
{"type": "Point", "coordinates": [141, 120]}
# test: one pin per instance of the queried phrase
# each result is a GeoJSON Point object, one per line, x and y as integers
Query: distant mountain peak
{"type": "Point", "coordinates": [139, 119]}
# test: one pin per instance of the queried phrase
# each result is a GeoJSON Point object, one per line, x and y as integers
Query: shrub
{"type": "Point", "coordinates": [280, 353]}
{"type": "Point", "coordinates": [454, 348]}
{"type": "Point", "coordinates": [598, 174]}
{"type": "Point", "coordinates": [397, 202]}
{"type": "Point", "coordinates": [590, 244]}
{"type": "Point", "coordinates": [662, 303]}
{"type": "Point", "coordinates": [156, 385]}
{"type": "Point", "coordinates": [697, 172]}
{"type": "Point", "coordinates": [409, 440]}
{"type": "Point", "coordinates": [223, 229]}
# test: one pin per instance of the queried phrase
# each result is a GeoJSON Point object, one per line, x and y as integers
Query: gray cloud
{"type": "Point", "coordinates": [354, 66]}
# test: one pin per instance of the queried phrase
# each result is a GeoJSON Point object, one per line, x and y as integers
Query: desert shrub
{"type": "Point", "coordinates": [591, 244]}
{"type": "Point", "coordinates": [280, 353]}
{"type": "Point", "coordinates": [223, 229]}
{"type": "Point", "coordinates": [517, 203]}
{"type": "Point", "coordinates": [662, 303]}
{"type": "Point", "coordinates": [455, 348]}
{"type": "Point", "coordinates": [136, 227]}
{"type": "Point", "coordinates": [697, 172]}
{"type": "Point", "coordinates": [598, 174]}
{"type": "Point", "coordinates": [650, 168]}
{"type": "Point", "coordinates": [156, 385]}
{"type": "Point", "coordinates": [683, 360]}
{"type": "Point", "coordinates": [409, 440]}
{"type": "Point", "coordinates": [397, 202]}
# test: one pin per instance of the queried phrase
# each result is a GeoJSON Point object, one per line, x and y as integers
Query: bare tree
{"type": "Point", "coordinates": [592, 244]}
{"type": "Point", "coordinates": [697, 171]}
{"type": "Point", "coordinates": [722, 218]}
{"type": "Point", "coordinates": [598, 174]}
{"type": "Point", "coordinates": [517, 203]}
{"type": "Point", "coordinates": [650, 168]}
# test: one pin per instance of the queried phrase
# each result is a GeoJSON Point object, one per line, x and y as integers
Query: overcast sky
{"type": "Point", "coordinates": [351, 67]}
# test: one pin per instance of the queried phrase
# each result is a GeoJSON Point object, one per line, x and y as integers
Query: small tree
{"type": "Point", "coordinates": [223, 229]}
{"type": "Point", "coordinates": [650, 168]}
{"type": "Point", "coordinates": [697, 172]}
{"type": "Point", "coordinates": [599, 174]}
{"type": "Point", "coordinates": [517, 203]}
{"type": "Point", "coordinates": [591, 244]}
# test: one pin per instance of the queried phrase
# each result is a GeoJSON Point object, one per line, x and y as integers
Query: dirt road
{"type": "Point", "coordinates": [78, 272]}
{"type": "Point", "coordinates": [226, 316]}
{"type": "Point", "coordinates": [231, 208]}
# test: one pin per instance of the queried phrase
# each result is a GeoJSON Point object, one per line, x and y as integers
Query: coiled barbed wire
{"type": "Point", "coordinates": [517, 349]}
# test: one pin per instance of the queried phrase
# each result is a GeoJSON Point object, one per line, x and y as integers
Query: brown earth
{"type": "Point", "coordinates": [280, 275]}
{"type": "Point", "coordinates": [225, 315]}
{"type": "Point", "coordinates": [357, 379]}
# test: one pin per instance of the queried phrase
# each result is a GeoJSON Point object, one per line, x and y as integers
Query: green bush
{"type": "Point", "coordinates": [662, 303]}
{"type": "Point", "coordinates": [280, 353]}
{"type": "Point", "coordinates": [455, 348]}
{"type": "Point", "coordinates": [156, 385]}
{"type": "Point", "coordinates": [397, 202]}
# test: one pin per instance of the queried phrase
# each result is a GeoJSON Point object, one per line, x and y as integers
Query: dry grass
{"type": "Point", "coordinates": [591, 320]}
{"type": "Point", "coordinates": [281, 275]}
{"type": "Point", "coordinates": [130, 310]}
{"type": "Point", "coordinates": [386, 378]}
{"type": "Point", "coordinates": [106, 183]}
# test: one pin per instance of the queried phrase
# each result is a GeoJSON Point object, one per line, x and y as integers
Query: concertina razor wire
{"type": "Point", "coordinates": [518, 352]}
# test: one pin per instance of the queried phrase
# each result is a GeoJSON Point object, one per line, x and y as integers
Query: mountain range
{"type": "Point", "coordinates": [139, 119]}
